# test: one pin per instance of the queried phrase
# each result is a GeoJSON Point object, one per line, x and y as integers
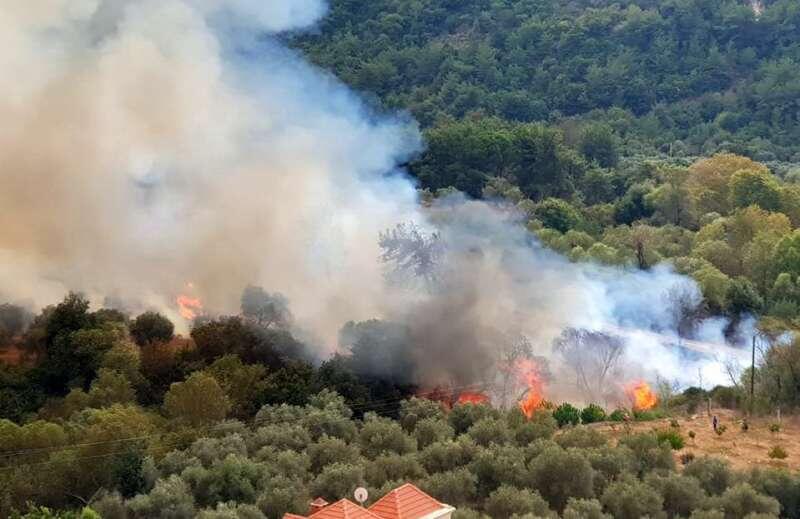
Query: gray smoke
{"type": "Point", "coordinates": [152, 144]}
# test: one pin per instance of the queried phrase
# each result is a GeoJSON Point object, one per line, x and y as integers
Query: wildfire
{"type": "Point", "coordinates": [446, 395]}
{"type": "Point", "coordinates": [189, 307]}
{"type": "Point", "coordinates": [472, 397]}
{"type": "Point", "coordinates": [641, 395]}
{"type": "Point", "coordinates": [527, 373]}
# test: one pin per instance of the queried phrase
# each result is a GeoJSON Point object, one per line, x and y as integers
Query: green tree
{"type": "Point", "coordinates": [508, 501]}
{"type": "Point", "coordinates": [560, 474]}
{"type": "Point", "coordinates": [151, 327]}
{"type": "Point", "coordinates": [243, 384]}
{"type": "Point", "coordinates": [749, 187]}
{"type": "Point", "coordinates": [598, 143]}
{"type": "Point", "coordinates": [266, 309]}
{"type": "Point", "coordinates": [557, 214]}
{"type": "Point", "coordinates": [198, 400]}
{"type": "Point", "coordinates": [632, 499]}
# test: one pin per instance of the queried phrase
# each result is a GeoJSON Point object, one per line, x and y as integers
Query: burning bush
{"type": "Point", "coordinates": [641, 396]}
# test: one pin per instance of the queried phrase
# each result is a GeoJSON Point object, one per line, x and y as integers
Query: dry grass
{"type": "Point", "coordinates": [743, 450]}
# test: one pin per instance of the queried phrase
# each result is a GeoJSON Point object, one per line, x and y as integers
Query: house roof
{"type": "Point", "coordinates": [344, 509]}
{"type": "Point", "coordinates": [406, 502]}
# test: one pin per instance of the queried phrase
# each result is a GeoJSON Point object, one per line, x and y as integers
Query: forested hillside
{"type": "Point", "coordinates": [680, 77]}
{"type": "Point", "coordinates": [627, 133]}
{"type": "Point", "coordinates": [648, 136]}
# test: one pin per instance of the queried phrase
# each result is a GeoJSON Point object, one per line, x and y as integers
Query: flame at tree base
{"type": "Point", "coordinates": [527, 372]}
{"type": "Point", "coordinates": [446, 396]}
{"type": "Point", "coordinates": [641, 396]}
{"type": "Point", "coordinates": [472, 397]}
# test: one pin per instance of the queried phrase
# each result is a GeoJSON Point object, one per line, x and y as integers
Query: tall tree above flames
{"type": "Point", "coordinates": [593, 356]}
{"type": "Point", "coordinates": [411, 255]}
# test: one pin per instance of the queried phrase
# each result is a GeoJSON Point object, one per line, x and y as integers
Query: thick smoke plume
{"type": "Point", "coordinates": [154, 143]}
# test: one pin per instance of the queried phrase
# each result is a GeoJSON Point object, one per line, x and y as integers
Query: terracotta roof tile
{"type": "Point", "coordinates": [405, 502]}
{"type": "Point", "coordinates": [344, 509]}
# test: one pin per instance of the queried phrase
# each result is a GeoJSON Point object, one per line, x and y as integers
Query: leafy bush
{"type": "Point", "coordinates": [714, 474]}
{"type": "Point", "coordinates": [507, 501]}
{"type": "Point", "coordinates": [592, 413]}
{"type": "Point", "coordinates": [774, 428]}
{"type": "Point", "coordinates": [780, 484]}
{"type": "Point", "coordinates": [456, 487]}
{"type": "Point", "coordinates": [489, 430]}
{"type": "Point", "coordinates": [632, 499]}
{"type": "Point", "coordinates": [672, 437]}
{"type": "Point", "coordinates": [681, 494]}
{"type": "Point", "coordinates": [541, 426]}
{"type": "Point", "coordinates": [559, 474]}
{"type": "Point", "coordinates": [464, 416]}
{"type": "Point", "coordinates": [566, 414]}
{"type": "Point", "coordinates": [583, 437]}
{"type": "Point", "coordinates": [648, 415]}
{"type": "Point", "coordinates": [618, 415]}
{"type": "Point", "coordinates": [610, 464]}
{"type": "Point", "coordinates": [778, 453]}
{"type": "Point", "coordinates": [584, 509]}
{"type": "Point", "coordinates": [740, 500]}
{"type": "Point", "coordinates": [650, 454]}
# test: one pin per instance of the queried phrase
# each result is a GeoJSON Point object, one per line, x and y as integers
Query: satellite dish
{"type": "Point", "coordinates": [361, 495]}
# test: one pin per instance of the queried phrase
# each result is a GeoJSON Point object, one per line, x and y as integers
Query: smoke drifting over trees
{"type": "Point", "coordinates": [269, 172]}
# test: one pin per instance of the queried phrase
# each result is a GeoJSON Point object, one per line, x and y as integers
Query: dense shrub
{"type": "Point", "coordinates": [617, 415]}
{"type": "Point", "coordinates": [649, 453]}
{"type": "Point", "coordinates": [741, 500]}
{"type": "Point", "coordinates": [682, 494]}
{"type": "Point", "coordinates": [777, 452]}
{"type": "Point", "coordinates": [541, 426]}
{"type": "Point", "coordinates": [583, 437]}
{"type": "Point", "coordinates": [592, 413]}
{"type": "Point", "coordinates": [671, 437]}
{"type": "Point", "coordinates": [508, 501]}
{"type": "Point", "coordinates": [584, 509]}
{"type": "Point", "coordinates": [559, 474]}
{"type": "Point", "coordinates": [780, 484]}
{"type": "Point", "coordinates": [567, 414]}
{"type": "Point", "coordinates": [464, 416]}
{"type": "Point", "coordinates": [457, 487]}
{"type": "Point", "coordinates": [632, 499]}
{"type": "Point", "coordinates": [713, 474]}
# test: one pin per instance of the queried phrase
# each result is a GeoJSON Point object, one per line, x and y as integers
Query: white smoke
{"type": "Point", "coordinates": [149, 144]}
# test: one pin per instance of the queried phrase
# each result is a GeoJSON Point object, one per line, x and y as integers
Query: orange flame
{"type": "Point", "coordinates": [527, 373]}
{"type": "Point", "coordinates": [472, 397]}
{"type": "Point", "coordinates": [641, 395]}
{"type": "Point", "coordinates": [189, 307]}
